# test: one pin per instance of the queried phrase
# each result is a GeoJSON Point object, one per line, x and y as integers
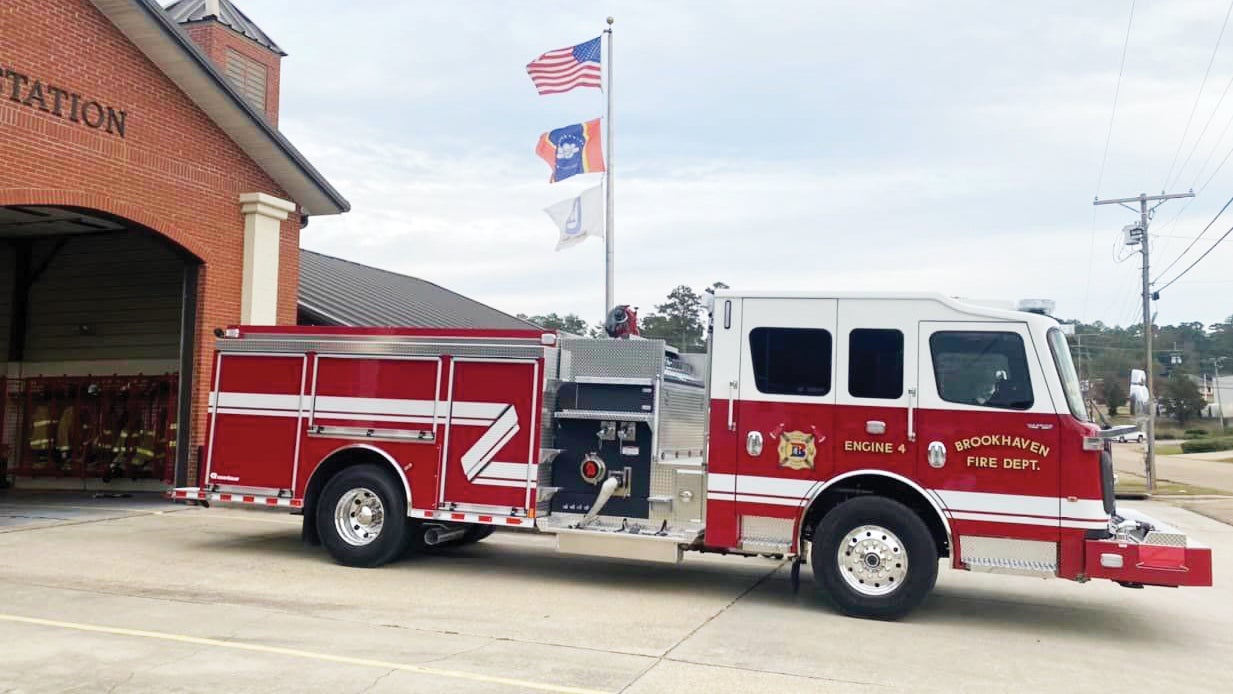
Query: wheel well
{"type": "Point", "coordinates": [333, 464]}
{"type": "Point", "coordinates": [877, 485]}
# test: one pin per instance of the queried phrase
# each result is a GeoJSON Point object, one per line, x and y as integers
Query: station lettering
{"type": "Point", "coordinates": [33, 92]}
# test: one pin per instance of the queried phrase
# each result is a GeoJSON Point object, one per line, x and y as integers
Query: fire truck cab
{"type": "Point", "coordinates": [868, 435]}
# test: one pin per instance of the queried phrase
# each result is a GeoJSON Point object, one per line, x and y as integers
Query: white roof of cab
{"type": "Point", "coordinates": [972, 308]}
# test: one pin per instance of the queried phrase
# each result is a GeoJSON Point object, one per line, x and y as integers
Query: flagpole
{"type": "Point", "coordinates": [609, 241]}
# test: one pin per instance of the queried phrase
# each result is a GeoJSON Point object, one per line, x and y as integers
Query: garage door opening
{"type": "Point", "coordinates": [97, 326]}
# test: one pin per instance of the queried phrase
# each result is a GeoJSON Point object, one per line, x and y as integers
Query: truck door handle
{"type": "Point", "coordinates": [936, 454]}
{"type": "Point", "coordinates": [731, 404]}
{"type": "Point", "coordinates": [911, 414]}
{"type": "Point", "coordinates": [753, 443]}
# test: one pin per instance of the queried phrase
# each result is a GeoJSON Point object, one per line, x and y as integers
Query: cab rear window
{"type": "Point", "coordinates": [791, 361]}
{"type": "Point", "coordinates": [875, 363]}
{"type": "Point", "coordinates": [982, 368]}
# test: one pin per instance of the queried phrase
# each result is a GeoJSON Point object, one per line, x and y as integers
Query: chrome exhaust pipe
{"type": "Point", "coordinates": [435, 534]}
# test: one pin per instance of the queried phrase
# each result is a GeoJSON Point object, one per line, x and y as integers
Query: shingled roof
{"type": "Point", "coordinates": [334, 291]}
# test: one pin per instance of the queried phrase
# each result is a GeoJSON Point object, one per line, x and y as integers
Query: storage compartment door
{"type": "Point", "coordinates": [256, 415]}
{"type": "Point", "coordinates": [491, 447]}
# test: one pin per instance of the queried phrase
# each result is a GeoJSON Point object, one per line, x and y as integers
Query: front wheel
{"type": "Point", "coordinates": [361, 517]}
{"type": "Point", "coordinates": [874, 557]}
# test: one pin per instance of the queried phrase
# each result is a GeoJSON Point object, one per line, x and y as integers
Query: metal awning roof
{"type": "Point", "coordinates": [334, 291]}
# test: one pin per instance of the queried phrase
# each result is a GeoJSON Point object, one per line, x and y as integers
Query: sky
{"type": "Point", "coordinates": [884, 146]}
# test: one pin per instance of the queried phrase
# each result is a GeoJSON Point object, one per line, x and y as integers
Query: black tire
{"type": "Point", "coordinates": [874, 556]}
{"type": "Point", "coordinates": [388, 541]}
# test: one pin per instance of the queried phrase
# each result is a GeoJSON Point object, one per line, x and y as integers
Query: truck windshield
{"type": "Point", "coordinates": [1066, 369]}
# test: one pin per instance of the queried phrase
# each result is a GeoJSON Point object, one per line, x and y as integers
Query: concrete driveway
{"type": "Point", "coordinates": [145, 599]}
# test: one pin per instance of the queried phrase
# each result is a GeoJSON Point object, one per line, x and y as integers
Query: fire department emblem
{"type": "Point", "coordinates": [797, 450]}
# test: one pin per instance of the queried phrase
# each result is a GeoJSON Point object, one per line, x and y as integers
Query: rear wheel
{"type": "Point", "coordinates": [874, 557]}
{"type": "Point", "coordinates": [360, 517]}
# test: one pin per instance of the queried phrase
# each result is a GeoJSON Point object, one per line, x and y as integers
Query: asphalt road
{"type": "Point", "coordinates": [139, 598]}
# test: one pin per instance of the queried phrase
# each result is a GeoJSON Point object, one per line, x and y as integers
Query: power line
{"type": "Point", "coordinates": [1208, 160]}
{"type": "Point", "coordinates": [1100, 177]}
{"type": "Point", "coordinates": [1182, 274]}
{"type": "Point", "coordinates": [1193, 242]}
{"type": "Point", "coordinates": [1206, 125]}
{"type": "Point", "coordinates": [1117, 90]}
{"type": "Point", "coordinates": [1198, 96]}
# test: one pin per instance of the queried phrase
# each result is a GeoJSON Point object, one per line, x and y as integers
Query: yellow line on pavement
{"type": "Point", "coordinates": [296, 653]}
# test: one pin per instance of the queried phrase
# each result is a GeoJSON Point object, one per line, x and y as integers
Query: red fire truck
{"type": "Point", "coordinates": [869, 435]}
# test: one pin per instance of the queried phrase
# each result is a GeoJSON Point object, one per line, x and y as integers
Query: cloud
{"type": "Point", "coordinates": [878, 146]}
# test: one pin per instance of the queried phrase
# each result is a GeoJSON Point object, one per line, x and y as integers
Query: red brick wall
{"type": "Point", "coordinates": [174, 172]}
{"type": "Point", "coordinates": [214, 39]}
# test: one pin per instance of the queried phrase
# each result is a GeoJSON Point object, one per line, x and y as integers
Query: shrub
{"type": "Point", "coordinates": [1208, 445]}
{"type": "Point", "coordinates": [1195, 433]}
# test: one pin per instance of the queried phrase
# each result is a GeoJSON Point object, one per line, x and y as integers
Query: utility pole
{"type": "Point", "coordinates": [1140, 236]}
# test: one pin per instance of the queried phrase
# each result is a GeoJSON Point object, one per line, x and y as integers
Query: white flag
{"type": "Point", "coordinates": [580, 217]}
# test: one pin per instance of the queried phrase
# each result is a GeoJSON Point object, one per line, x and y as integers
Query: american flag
{"type": "Point", "coordinates": [563, 69]}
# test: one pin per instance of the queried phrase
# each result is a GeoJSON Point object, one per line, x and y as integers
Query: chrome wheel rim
{"type": "Point", "coordinates": [872, 560]}
{"type": "Point", "coordinates": [359, 516]}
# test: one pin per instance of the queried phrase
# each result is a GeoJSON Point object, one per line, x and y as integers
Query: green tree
{"type": "Point", "coordinates": [678, 321]}
{"type": "Point", "coordinates": [1180, 396]}
{"type": "Point", "coordinates": [569, 323]}
{"type": "Point", "coordinates": [1113, 390]}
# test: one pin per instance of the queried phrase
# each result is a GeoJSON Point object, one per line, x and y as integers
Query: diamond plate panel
{"type": "Point", "coordinates": [682, 420]}
{"type": "Point", "coordinates": [1165, 539]}
{"type": "Point", "coordinates": [380, 348]}
{"type": "Point", "coordinates": [590, 358]}
{"type": "Point", "coordinates": [1005, 553]}
{"type": "Point", "coordinates": [763, 532]}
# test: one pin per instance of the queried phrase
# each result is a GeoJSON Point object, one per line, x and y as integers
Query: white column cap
{"type": "Point", "coordinates": [266, 205]}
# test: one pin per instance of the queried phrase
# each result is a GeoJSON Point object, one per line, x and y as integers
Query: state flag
{"type": "Point", "coordinates": [572, 150]}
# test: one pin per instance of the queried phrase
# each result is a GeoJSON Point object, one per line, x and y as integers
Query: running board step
{"type": "Point", "coordinates": [601, 538]}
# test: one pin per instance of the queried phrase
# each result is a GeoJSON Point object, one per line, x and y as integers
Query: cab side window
{"type": "Point", "coordinates": [791, 361]}
{"type": "Point", "coordinates": [875, 363]}
{"type": "Point", "coordinates": [987, 369]}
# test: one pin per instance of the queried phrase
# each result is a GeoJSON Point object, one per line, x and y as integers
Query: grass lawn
{"type": "Point", "coordinates": [1129, 484]}
{"type": "Point", "coordinates": [1169, 449]}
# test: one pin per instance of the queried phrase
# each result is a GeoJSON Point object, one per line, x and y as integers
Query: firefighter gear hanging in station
{"type": "Point", "coordinates": [108, 427]}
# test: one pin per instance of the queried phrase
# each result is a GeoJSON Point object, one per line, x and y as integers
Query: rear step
{"type": "Point", "coordinates": [604, 537]}
{"type": "Point", "coordinates": [205, 497]}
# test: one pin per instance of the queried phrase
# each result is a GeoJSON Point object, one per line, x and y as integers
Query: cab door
{"type": "Point", "coordinates": [875, 379]}
{"type": "Point", "coordinates": [785, 404]}
{"type": "Point", "coordinates": [987, 430]}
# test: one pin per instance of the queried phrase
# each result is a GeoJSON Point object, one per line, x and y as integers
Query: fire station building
{"type": "Point", "coordinates": [146, 198]}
